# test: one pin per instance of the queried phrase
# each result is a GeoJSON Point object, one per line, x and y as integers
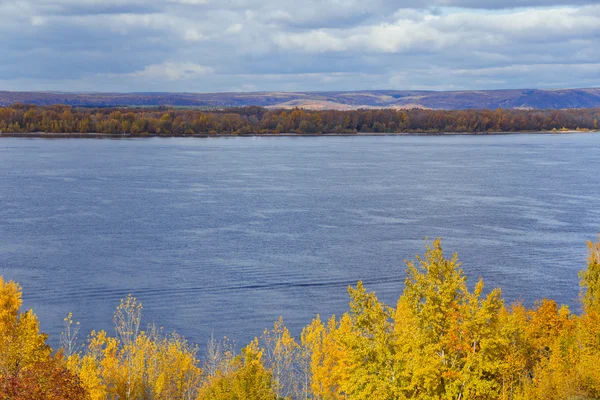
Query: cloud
{"type": "Point", "coordinates": [191, 2]}
{"type": "Point", "coordinates": [87, 7]}
{"type": "Point", "coordinates": [424, 32]}
{"type": "Point", "coordinates": [173, 71]}
{"type": "Point", "coordinates": [235, 28]}
{"type": "Point", "coordinates": [207, 45]}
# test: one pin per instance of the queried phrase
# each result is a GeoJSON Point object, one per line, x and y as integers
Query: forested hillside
{"type": "Point", "coordinates": [395, 99]}
{"type": "Point", "coordinates": [441, 340]}
{"type": "Point", "coordinates": [255, 120]}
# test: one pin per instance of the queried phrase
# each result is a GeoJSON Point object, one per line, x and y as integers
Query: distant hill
{"type": "Point", "coordinates": [458, 100]}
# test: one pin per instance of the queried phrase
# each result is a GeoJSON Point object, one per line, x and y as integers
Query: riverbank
{"type": "Point", "coordinates": [31, 121]}
{"type": "Point", "coordinates": [54, 135]}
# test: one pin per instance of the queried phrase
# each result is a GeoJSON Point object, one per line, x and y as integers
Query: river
{"type": "Point", "coordinates": [225, 235]}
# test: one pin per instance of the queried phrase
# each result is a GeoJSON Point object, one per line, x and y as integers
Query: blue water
{"type": "Point", "coordinates": [224, 235]}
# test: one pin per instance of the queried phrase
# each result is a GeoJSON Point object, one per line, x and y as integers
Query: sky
{"type": "Point", "coordinates": [297, 45]}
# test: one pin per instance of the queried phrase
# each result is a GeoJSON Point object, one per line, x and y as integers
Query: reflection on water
{"type": "Point", "coordinates": [225, 235]}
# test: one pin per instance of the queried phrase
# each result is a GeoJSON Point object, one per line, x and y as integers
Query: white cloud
{"type": "Point", "coordinates": [173, 71]}
{"type": "Point", "coordinates": [36, 20]}
{"type": "Point", "coordinates": [327, 44]}
{"type": "Point", "coordinates": [425, 33]}
{"type": "Point", "coordinates": [312, 41]}
{"type": "Point", "coordinates": [191, 2]}
{"type": "Point", "coordinates": [235, 28]}
{"type": "Point", "coordinates": [193, 35]}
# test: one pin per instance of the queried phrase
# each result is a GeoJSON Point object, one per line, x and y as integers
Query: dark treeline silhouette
{"type": "Point", "coordinates": [256, 120]}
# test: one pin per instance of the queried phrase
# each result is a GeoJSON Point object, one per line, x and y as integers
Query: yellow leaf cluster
{"type": "Point", "coordinates": [137, 364]}
{"type": "Point", "coordinates": [28, 371]}
{"type": "Point", "coordinates": [442, 340]}
{"type": "Point", "coordinates": [248, 379]}
{"type": "Point", "coordinates": [21, 343]}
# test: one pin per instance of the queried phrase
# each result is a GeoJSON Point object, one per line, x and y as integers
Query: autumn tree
{"type": "Point", "coordinates": [27, 369]}
{"type": "Point", "coordinates": [448, 336]}
{"type": "Point", "coordinates": [569, 345]}
{"type": "Point", "coordinates": [441, 341]}
{"type": "Point", "coordinates": [21, 343]}
{"type": "Point", "coordinates": [288, 361]}
{"type": "Point", "coordinates": [248, 379]}
{"type": "Point", "coordinates": [45, 380]}
{"type": "Point", "coordinates": [137, 364]}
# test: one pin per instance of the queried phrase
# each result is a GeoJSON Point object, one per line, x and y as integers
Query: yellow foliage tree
{"type": "Point", "coordinates": [288, 360]}
{"type": "Point", "coordinates": [442, 341]}
{"type": "Point", "coordinates": [372, 369]}
{"type": "Point", "coordinates": [137, 364]}
{"type": "Point", "coordinates": [27, 369]}
{"type": "Point", "coordinates": [570, 346]}
{"type": "Point", "coordinates": [21, 343]}
{"type": "Point", "coordinates": [449, 337]}
{"type": "Point", "coordinates": [248, 379]}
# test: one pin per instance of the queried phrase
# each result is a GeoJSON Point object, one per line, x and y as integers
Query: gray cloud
{"type": "Point", "coordinates": [223, 45]}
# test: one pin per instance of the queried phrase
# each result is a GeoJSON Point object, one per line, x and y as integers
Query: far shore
{"type": "Point", "coordinates": [51, 135]}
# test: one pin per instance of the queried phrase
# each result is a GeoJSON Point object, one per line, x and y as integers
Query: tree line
{"type": "Point", "coordinates": [164, 121]}
{"type": "Point", "coordinates": [440, 341]}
